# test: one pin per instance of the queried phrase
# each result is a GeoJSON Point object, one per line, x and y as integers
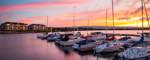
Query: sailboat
{"type": "Point", "coordinates": [113, 45]}
{"type": "Point", "coordinates": [72, 39]}
{"type": "Point", "coordinates": [139, 51]}
{"type": "Point", "coordinates": [90, 41]}
{"type": "Point", "coordinates": [49, 36]}
{"type": "Point", "coordinates": [141, 48]}
{"type": "Point", "coordinates": [54, 37]}
{"type": "Point", "coordinates": [44, 35]}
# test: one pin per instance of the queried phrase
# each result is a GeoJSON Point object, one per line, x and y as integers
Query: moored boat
{"type": "Point", "coordinates": [54, 37]}
{"type": "Point", "coordinates": [86, 45]}
{"type": "Point", "coordinates": [139, 51]}
{"type": "Point", "coordinates": [69, 40]}
{"type": "Point", "coordinates": [43, 36]}
{"type": "Point", "coordinates": [135, 53]}
{"type": "Point", "coordinates": [111, 47]}
{"type": "Point", "coordinates": [98, 36]}
{"type": "Point", "coordinates": [116, 45]}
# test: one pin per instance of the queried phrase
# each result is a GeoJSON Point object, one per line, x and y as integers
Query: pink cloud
{"type": "Point", "coordinates": [75, 1]}
{"type": "Point", "coordinates": [35, 19]}
{"type": "Point", "coordinates": [27, 6]}
{"type": "Point", "coordinates": [66, 18]}
{"type": "Point", "coordinates": [28, 21]}
{"type": "Point", "coordinates": [39, 5]}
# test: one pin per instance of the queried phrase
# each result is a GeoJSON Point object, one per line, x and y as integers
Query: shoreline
{"type": "Point", "coordinates": [24, 32]}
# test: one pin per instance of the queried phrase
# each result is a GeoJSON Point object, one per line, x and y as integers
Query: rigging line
{"type": "Point", "coordinates": [88, 18]}
{"type": "Point", "coordinates": [146, 14]}
{"type": "Point", "coordinates": [93, 7]}
{"type": "Point", "coordinates": [142, 15]}
{"type": "Point", "coordinates": [96, 4]}
{"type": "Point", "coordinates": [88, 9]}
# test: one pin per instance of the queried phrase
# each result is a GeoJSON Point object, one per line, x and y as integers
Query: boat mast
{"type": "Point", "coordinates": [106, 21]}
{"type": "Point", "coordinates": [142, 11]}
{"type": "Point", "coordinates": [47, 24]}
{"type": "Point", "coordinates": [88, 25]}
{"type": "Point", "coordinates": [51, 29]}
{"type": "Point", "coordinates": [74, 25]}
{"type": "Point", "coordinates": [113, 17]}
{"type": "Point", "coordinates": [142, 16]}
{"type": "Point", "coordinates": [146, 15]}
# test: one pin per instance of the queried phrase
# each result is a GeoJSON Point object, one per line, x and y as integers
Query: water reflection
{"type": "Point", "coordinates": [28, 47]}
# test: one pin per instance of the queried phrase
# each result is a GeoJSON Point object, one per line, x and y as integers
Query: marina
{"type": "Point", "coordinates": [75, 30]}
{"type": "Point", "coordinates": [29, 47]}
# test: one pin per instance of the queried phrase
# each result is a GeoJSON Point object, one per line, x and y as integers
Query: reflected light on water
{"type": "Point", "coordinates": [28, 47]}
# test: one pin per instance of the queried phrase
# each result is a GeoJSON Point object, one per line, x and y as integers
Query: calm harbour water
{"type": "Point", "coordinates": [28, 47]}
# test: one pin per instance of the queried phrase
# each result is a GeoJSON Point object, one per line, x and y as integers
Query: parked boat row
{"type": "Point", "coordinates": [125, 48]}
{"type": "Point", "coordinates": [138, 47]}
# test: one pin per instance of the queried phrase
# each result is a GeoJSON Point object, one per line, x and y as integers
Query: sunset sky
{"type": "Point", "coordinates": [61, 12]}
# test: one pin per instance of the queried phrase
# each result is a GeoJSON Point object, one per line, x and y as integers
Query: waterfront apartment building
{"type": "Point", "coordinates": [37, 27]}
{"type": "Point", "coordinates": [13, 26]}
